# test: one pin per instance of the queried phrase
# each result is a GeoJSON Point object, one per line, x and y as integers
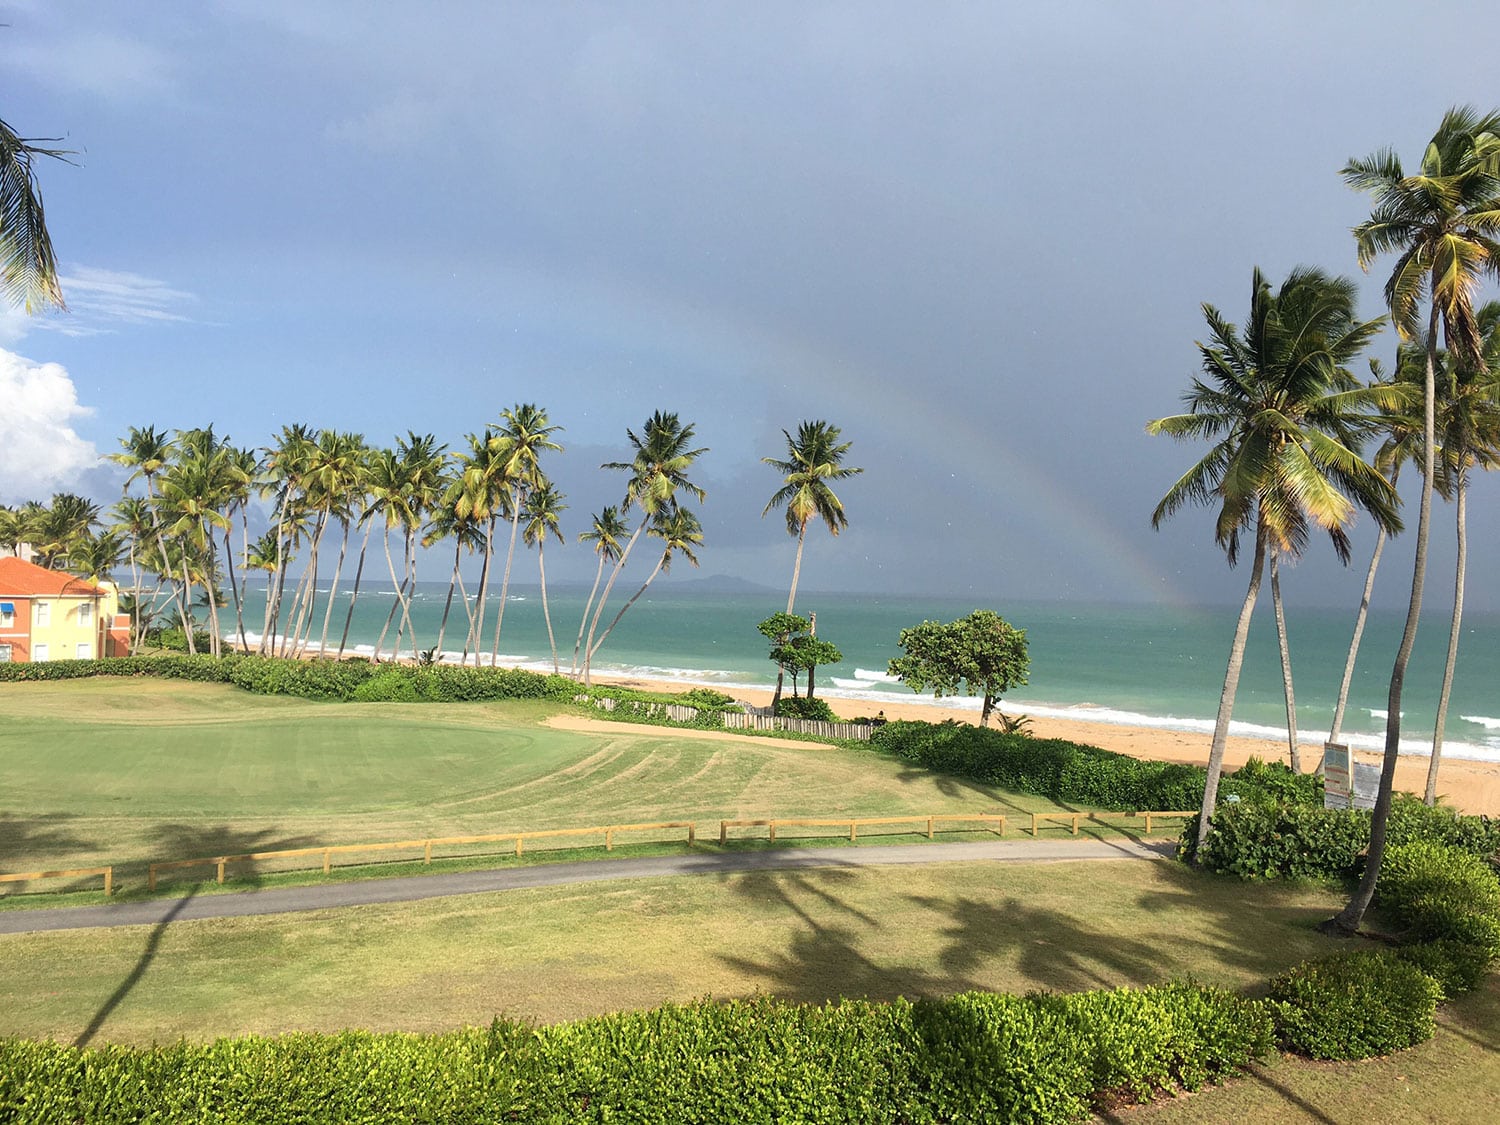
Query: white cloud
{"type": "Point", "coordinates": [100, 298]}
{"type": "Point", "coordinates": [39, 451]}
{"type": "Point", "coordinates": [103, 63]}
{"type": "Point", "coordinates": [404, 121]}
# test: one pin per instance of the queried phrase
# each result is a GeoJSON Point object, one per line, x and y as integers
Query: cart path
{"type": "Point", "coordinates": [412, 888]}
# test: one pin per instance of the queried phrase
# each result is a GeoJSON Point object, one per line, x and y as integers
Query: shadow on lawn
{"type": "Point", "coordinates": [825, 960]}
{"type": "Point", "coordinates": [171, 842]}
{"type": "Point", "coordinates": [148, 954]}
{"type": "Point", "coordinates": [29, 843]}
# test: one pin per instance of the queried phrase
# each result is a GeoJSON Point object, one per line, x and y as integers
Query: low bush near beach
{"type": "Point", "coordinates": [1254, 840]}
{"type": "Point", "coordinates": [973, 1057]}
{"type": "Point", "coordinates": [1355, 1005]}
{"type": "Point", "coordinates": [796, 707]}
{"type": "Point", "coordinates": [1438, 893]}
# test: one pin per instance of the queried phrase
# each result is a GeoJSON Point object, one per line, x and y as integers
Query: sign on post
{"type": "Point", "coordinates": [1346, 783]}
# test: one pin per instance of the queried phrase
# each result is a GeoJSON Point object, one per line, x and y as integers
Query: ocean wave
{"type": "Point", "coordinates": [1482, 720]}
{"type": "Point", "coordinates": [870, 677]}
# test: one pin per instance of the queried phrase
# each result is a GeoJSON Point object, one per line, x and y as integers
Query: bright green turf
{"type": "Point", "coordinates": [128, 771]}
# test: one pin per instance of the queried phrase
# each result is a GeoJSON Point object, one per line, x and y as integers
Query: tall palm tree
{"type": "Point", "coordinates": [452, 518]}
{"type": "Point", "coordinates": [658, 470]}
{"type": "Point", "coordinates": [1443, 224]}
{"type": "Point", "coordinates": [813, 458]}
{"type": "Point", "coordinates": [1285, 417]}
{"type": "Point", "coordinates": [1468, 433]}
{"type": "Point", "coordinates": [56, 529]}
{"type": "Point", "coordinates": [544, 507]}
{"type": "Point", "coordinates": [28, 265]}
{"type": "Point", "coordinates": [680, 532]}
{"type": "Point", "coordinates": [524, 433]}
{"type": "Point", "coordinates": [605, 534]}
{"type": "Point", "coordinates": [355, 486]}
{"type": "Point", "coordinates": [480, 497]}
{"type": "Point", "coordinates": [95, 556]}
{"type": "Point", "coordinates": [285, 478]}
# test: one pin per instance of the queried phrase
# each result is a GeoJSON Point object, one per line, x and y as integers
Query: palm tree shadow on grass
{"type": "Point", "coordinates": [952, 785]}
{"type": "Point", "coordinates": [823, 961]}
{"type": "Point", "coordinates": [27, 842]}
{"type": "Point", "coordinates": [197, 841]}
{"type": "Point", "coordinates": [133, 978]}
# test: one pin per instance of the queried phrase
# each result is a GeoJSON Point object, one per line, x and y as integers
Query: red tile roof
{"type": "Point", "coordinates": [21, 579]}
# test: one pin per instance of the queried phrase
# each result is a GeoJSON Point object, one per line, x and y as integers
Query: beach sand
{"type": "Point", "coordinates": [1469, 786]}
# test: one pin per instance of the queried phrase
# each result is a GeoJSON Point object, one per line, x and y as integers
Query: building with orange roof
{"type": "Point", "coordinates": [51, 615]}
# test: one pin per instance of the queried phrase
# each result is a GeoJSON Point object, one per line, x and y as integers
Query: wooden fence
{"type": "Point", "coordinates": [855, 823]}
{"type": "Point", "coordinates": [759, 719]}
{"type": "Point", "coordinates": [73, 873]}
{"type": "Point", "coordinates": [1101, 817]}
{"type": "Point", "coordinates": [518, 839]}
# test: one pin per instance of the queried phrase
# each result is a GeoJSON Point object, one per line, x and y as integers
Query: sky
{"type": "Point", "coordinates": [976, 237]}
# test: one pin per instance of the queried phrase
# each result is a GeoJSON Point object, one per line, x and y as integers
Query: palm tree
{"type": "Point", "coordinates": [657, 471]}
{"type": "Point", "coordinates": [544, 506]}
{"type": "Point", "coordinates": [607, 531]}
{"type": "Point", "coordinates": [57, 529]}
{"type": "Point", "coordinates": [481, 498]}
{"type": "Point", "coordinates": [1442, 224]}
{"type": "Point", "coordinates": [680, 532]}
{"type": "Point", "coordinates": [27, 262]}
{"type": "Point", "coordinates": [452, 518]}
{"type": "Point", "coordinates": [523, 435]}
{"type": "Point", "coordinates": [1285, 418]}
{"type": "Point", "coordinates": [813, 458]}
{"type": "Point", "coordinates": [285, 478]}
{"type": "Point", "coordinates": [95, 556]}
{"type": "Point", "coordinates": [1468, 432]}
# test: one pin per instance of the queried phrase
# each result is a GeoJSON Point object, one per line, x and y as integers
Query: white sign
{"type": "Point", "coordinates": [1347, 783]}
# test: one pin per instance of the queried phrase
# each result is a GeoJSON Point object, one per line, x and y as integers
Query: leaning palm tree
{"type": "Point", "coordinates": [1443, 223]}
{"type": "Point", "coordinates": [28, 265]}
{"type": "Point", "coordinates": [658, 470]}
{"type": "Point", "coordinates": [680, 532]}
{"type": "Point", "coordinates": [454, 519]}
{"type": "Point", "coordinates": [1285, 417]}
{"type": "Point", "coordinates": [607, 531]}
{"type": "Point", "coordinates": [523, 435]}
{"type": "Point", "coordinates": [1468, 432]}
{"type": "Point", "coordinates": [544, 507]}
{"type": "Point", "coordinates": [813, 458]}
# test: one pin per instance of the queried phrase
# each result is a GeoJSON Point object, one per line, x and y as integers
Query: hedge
{"type": "Point", "coordinates": [1070, 771]}
{"type": "Point", "coordinates": [976, 1057]}
{"type": "Point", "coordinates": [1354, 1005]}
{"type": "Point", "coordinates": [1268, 841]}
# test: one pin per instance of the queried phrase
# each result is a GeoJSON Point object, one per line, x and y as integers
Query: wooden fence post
{"type": "Point", "coordinates": [109, 881]}
{"type": "Point", "coordinates": [1033, 824]}
{"type": "Point", "coordinates": [151, 877]}
{"type": "Point", "coordinates": [692, 834]}
{"type": "Point", "coordinates": [929, 827]}
{"type": "Point", "coordinates": [609, 839]}
{"type": "Point", "coordinates": [1148, 824]}
{"type": "Point", "coordinates": [773, 831]}
{"type": "Point", "coordinates": [327, 860]}
{"type": "Point", "coordinates": [221, 869]}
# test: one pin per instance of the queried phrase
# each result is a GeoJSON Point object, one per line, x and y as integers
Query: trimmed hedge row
{"type": "Point", "coordinates": [1355, 1005]}
{"type": "Point", "coordinates": [1253, 840]}
{"type": "Point", "coordinates": [976, 1057]}
{"type": "Point", "coordinates": [1070, 771]}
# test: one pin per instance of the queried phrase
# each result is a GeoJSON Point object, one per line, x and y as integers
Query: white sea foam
{"type": "Point", "coordinates": [870, 677]}
{"type": "Point", "coordinates": [1482, 720]}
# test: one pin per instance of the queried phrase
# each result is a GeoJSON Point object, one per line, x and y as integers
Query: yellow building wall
{"type": "Point", "coordinates": [64, 631]}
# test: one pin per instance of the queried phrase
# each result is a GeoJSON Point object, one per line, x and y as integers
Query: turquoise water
{"type": "Point", "coordinates": [1142, 665]}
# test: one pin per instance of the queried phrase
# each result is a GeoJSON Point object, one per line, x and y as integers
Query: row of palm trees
{"type": "Point", "coordinates": [188, 496]}
{"type": "Point", "coordinates": [1288, 420]}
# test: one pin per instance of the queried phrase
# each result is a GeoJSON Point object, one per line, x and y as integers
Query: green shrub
{"type": "Point", "coordinates": [1354, 1005]}
{"type": "Point", "coordinates": [1457, 967]}
{"type": "Point", "coordinates": [798, 707]}
{"type": "Point", "coordinates": [1440, 893]}
{"type": "Point", "coordinates": [388, 686]}
{"type": "Point", "coordinates": [1262, 841]}
{"type": "Point", "coordinates": [703, 697]}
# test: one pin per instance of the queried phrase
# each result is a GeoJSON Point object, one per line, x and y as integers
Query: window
{"type": "Point", "coordinates": [39, 653]}
{"type": "Point", "coordinates": [43, 614]}
{"type": "Point", "coordinates": [84, 652]}
{"type": "Point", "coordinates": [85, 614]}
{"type": "Point", "coordinates": [4, 654]}
{"type": "Point", "coordinates": [7, 615]}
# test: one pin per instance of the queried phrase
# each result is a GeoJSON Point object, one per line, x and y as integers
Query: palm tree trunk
{"type": "Point", "coordinates": [476, 619]}
{"type": "Point", "coordinates": [359, 571]}
{"type": "Point", "coordinates": [411, 589]}
{"type": "Point", "coordinates": [395, 605]}
{"type": "Point", "coordinates": [1293, 750]}
{"type": "Point", "coordinates": [791, 596]}
{"type": "Point", "coordinates": [273, 605]}
{"type": "Point", "coordinates": [187, 597]}
{"type": "Point", "coordinates": [1461, 505]}
{"type": "Point", "coordinates": [515, 523]}
{"type": "Point", "coordinates": [1231, 685]}
{"type": "Point", "coordinates": [584, 620]}
{"type": "Point", "coordinates": [633, 598]}
{"type": "Point", "coordinates": [239, 610]}
{"type": "Point", "coordinates": [1359, 629]}
{"type": "Point", "coordinates": [458, 547]}
{"type": "Point", "coordinates": [591, 648]}
{"type": "Point", "coordinates": [541, 566]}
{"type": "Point", "coordinates": [338, 570]}
{"type": "Point", "coordinates": [308, 600]}
{"type": "Point", "coordinates": [1347, 921]}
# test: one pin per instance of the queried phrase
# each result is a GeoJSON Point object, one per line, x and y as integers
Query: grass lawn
{"type": "Point", "coordinates": [128, 771]}
{"type": "Point", "coordinates": [556, 953]}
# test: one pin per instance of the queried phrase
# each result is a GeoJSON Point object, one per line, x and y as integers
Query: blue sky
{"type": "Point", "coordinates": [974, 238]}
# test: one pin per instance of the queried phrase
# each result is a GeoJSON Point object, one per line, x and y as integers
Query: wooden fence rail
{"type": "Point", "coordinates": [1101, 817]}
{"type": "Point", "coordinates": [221, 862]}
{"type": "Point", "coordinates": [736, 720]}
{"type": "Point", "coordinates": [73, 873]}
{"type": "Point", "coordinates": [854, 823]}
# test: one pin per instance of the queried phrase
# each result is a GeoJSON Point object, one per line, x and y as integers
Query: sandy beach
{"type": "Point", "coordinates": [1469, 786]}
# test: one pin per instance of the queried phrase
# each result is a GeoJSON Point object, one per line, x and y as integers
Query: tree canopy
{"type": "Point", "coordinates": [981, 654]}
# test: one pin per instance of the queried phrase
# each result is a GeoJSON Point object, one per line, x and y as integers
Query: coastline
{"type": "Point", "coordinates": [1468, 785]}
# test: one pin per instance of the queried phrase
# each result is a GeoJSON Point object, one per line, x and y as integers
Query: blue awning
{"type": "Point", "coordinates": [7, 607]}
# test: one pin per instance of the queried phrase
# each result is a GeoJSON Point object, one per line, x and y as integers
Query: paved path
{"type": "Point", "coordinates": [414, 887]}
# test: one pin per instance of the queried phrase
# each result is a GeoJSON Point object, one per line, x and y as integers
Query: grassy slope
{"type": "Point", "coordinates": [127, 771]}
{"type": "Point", "coordinates": [557, 953]}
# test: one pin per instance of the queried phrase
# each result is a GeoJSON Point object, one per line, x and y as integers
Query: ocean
{"type": "Point", "coordinates": [1155, 666]}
